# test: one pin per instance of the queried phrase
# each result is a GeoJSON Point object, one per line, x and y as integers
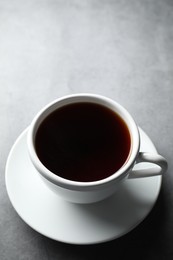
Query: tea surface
{"type": "Point", "coordinates": [83, 142]}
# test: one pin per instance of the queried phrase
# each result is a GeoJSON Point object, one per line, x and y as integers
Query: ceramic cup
{"type": "Point", "coordinates": [89, 192]}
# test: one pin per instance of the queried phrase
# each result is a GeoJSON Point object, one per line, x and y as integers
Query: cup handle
{"type": "Point", "coordinates": [159, 168]}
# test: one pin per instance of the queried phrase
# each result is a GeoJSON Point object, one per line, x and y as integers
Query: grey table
{"type": "Point", "coordinates": [121, 49]}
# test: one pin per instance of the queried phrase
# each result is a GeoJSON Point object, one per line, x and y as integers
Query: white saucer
{"type": "Point", "coordinates": [48, 214]}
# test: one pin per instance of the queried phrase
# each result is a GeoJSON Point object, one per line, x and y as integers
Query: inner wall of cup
{"type": "Point", "coordinates": [77, 99]}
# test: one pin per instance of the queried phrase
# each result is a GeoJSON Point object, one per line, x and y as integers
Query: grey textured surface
{"type": "Point", "coordinates": [122, 49]}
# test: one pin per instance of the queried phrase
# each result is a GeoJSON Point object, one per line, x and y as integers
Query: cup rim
{"type": "Point", "coordinates": [83, 97]}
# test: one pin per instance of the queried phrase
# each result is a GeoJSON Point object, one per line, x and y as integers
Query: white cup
{"type": "Point", "coordinates": [89, 192]}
